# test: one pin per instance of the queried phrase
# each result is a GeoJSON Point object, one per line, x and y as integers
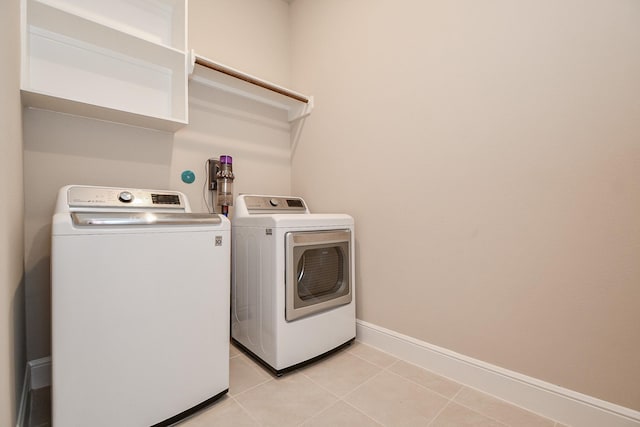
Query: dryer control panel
{"type": "Point", "coordinates": [262, 204]}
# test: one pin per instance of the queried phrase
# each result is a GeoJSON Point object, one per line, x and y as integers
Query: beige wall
{"type": "Point", "coordinates": [513, 132]}
{"type": "Point", "coordinates": [62, 149]}
{"type": "Point", "coordinates": [250, 35]}
{"type": "Point", "coordinates": [12, 360]}
{"type": "Point", "coordinates": [490, 154]}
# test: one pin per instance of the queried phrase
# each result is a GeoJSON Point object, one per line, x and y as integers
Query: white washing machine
{"type": "Point", "coordinates": [292, 292]}
{"type": "Point", "coordinates": [140, 307]}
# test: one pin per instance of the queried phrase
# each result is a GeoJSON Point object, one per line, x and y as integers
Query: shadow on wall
{"type": "Point", "coordinates": [19, 339]}
{"type": "Point", "coordinates": [91, 139]}
{"type": "Point", "coordinates": [240, 124]}
{"type": "Point", "coordinates": [61, 149]}
{"type": "Point", "coordinates": [37, 309]}
{"type": "Point", "coordinates": [256, 135]}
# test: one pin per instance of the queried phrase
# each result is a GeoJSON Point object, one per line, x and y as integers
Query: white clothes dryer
{"type": "Point", "coordinates": [140, 307]}
{"type": "Point", "coordinates": [292, 292]}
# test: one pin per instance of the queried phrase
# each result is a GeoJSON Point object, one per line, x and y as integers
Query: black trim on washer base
{"type": "Point", "coordinates": [281, 372]}
{"type": "Point", "coordinates": [191, 411]}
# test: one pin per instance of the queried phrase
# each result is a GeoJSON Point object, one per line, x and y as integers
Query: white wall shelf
{"type": "Point", "coordinates": [211, 73]}
{"type": "Point", "coordinates": [122, 60]}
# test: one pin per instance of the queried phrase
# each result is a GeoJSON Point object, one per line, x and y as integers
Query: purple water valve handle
{"type": "Point", "coordinates": [226, 160]}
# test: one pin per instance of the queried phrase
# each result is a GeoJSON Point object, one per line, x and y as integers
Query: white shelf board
{"type": "Point", "coordinates": [211, 73]}
{"type": "Point", "coordinates": [71, 69]}
{"type": "Point", "coordinates": [153, 20]}
{"type": "Point", "coordinates": [59, 21]}
{"type": "Point", "coordinates": [77, 59]}
{"type": "Point", "coordinates": [77, 108]}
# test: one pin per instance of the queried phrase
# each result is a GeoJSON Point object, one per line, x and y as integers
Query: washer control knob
{"type": "Point", "coordinates": [125, 197]}
{"type": "Point", "coordinates": [273, 202]}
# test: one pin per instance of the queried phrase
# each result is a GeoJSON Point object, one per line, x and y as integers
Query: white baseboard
{"type": "Point", "coordinates": [37, 375]}
{"type": "Point", "coordinates": [40, 372]}
{"type": "Point", "coordinates": [24, 396]}
{"type": "Point", "coordinates": [549, 400]}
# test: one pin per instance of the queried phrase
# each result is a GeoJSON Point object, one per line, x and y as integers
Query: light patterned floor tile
{"type": "Point", "coordinates": [375, 389]}
{"type": "Point", "coordinates": [244, 373]}
{"type": "Point", "coordinates": [371, 355]}
{"type": "Point", "coordinates": [287, 401]}
{"type": "Point", "coordinates": [500, 410]}
{"type": "Point", "coordinates": [394, 401]}
{"type": "Point", "coordinates": [455, 415]}
{"type": "Point", "coordinates": [341, 415]}
{"type": "Point", "coordinates": [224, 413]}
{"type": "Point", "coordinates": [440, 385]}
{"type": "Point", "coordinates": [341, 373]}
{"type": "Point", "coordinates": [233, 351]}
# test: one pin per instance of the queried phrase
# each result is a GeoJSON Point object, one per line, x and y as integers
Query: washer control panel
{"type": "Point", "coordinates": [98, 197]}
{"type": "Point", "coordinates": [260, 204]}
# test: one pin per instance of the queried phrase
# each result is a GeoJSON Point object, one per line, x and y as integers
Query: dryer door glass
{"type": "Point", "coordinates": [320, 273]}
{"type": "Point", "coordinates": [317, 275]}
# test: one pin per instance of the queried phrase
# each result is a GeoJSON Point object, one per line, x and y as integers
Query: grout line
{"type": "Point", "coordinates": [433, 373]}
{"type": "Point", "coordinates": [246, 411]}
{"type": "Point", "coordinates": [320, 385]}
{"type": "Point", "coordinates": [427, 388]}
{"type": "Point", "coordinates": [504, 402]}
{"type": "Point", "coordinates": [476, 409]}
{"type": "Point", "coordinates": [451, 400]}
{"type": "Point", "coordinates": [252, 365]}
{"type": "Point", "coordinates": [368, 361]}
{"type": "Point", "coordinates": [462, 387]}
{"type": "Point", "coordinates": [331, 392]}
{"type": "Point", "coordinates": [438, 413]}
{"type": "Point", "coordinates": [368, 380]}
{"type": "Point", "coordinates": [252, 387]}
{"type": "Point", "coordinates": [297, 371]}
{"type": "Point", "coordinates": [319, 412]}
{"type": "Point", "coordinates": [362, 412]}
{"type": "Point", "coordinates": [257, 366]}
{"type": "Point", "coordinates": [395, 359]}
{"type": "Point", "coordinates": [341, 398]}
{"type": "Point", "coordinates": [374, 364]}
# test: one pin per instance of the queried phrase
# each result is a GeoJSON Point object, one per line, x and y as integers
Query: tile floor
{"type": "Point", "coordinates": [357, 386]}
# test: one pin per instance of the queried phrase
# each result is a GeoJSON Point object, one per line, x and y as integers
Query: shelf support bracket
{"type": "Point", "coordinates": [303, 111]}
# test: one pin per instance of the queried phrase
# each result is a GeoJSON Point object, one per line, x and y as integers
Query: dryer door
{"type": "Point", "coordinates": [317, 271]}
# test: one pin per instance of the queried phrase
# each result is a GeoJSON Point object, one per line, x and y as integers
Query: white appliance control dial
{"type": "Point", "coordinates": [125, 197]}
{"type": "Point", "coordinates": [274, 202]}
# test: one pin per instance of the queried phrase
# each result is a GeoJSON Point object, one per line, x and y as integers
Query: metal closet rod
{"type": "Point", "coordinates": [249, 79]}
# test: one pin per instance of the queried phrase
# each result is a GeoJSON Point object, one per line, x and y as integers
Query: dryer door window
{"type": "Point", "coordinates": [317, 271]}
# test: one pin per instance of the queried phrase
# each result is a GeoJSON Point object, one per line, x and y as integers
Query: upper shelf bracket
{"type": "Point", "coordinates": [220, 76]}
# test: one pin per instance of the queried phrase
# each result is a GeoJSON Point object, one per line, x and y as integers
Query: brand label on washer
{"type": "Point", "coordinates": [218, 240]}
